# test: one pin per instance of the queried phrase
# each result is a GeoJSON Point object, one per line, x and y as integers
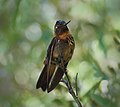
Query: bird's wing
{"type": "Point", "coordinates": [48, 69]}
{"type": "Point", "coordinates": [49, 58]}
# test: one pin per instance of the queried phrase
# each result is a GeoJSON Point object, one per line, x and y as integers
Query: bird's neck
{"type": "Point", "coordinates": [63, 36]}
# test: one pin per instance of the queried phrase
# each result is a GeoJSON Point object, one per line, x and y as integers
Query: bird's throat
{"type": "Point", "coordinates": [63, 36]}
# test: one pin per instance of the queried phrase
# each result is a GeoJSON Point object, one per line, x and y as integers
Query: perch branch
{"type": "Point", "coordinates": [68, 84]}
{"type": "Point", "coordinates": [70, 89]}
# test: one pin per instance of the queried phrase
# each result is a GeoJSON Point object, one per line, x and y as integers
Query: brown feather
{"type": "Point", "coordinates": [42, 79]}
{"type": "Point", "coordinates": [56, 79]}
{"type": "Point", "coordinates": [59, 54]}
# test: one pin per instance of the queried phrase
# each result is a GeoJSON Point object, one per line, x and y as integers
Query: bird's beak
{"type": "Point", "coordinates": [67, 22]}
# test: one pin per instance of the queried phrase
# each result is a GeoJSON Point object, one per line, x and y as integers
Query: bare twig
{"type": "Point", "coordinates": [68, 84]}
{"type": "Point", "coordinates": [76, 84]}
{"type": "Point", "coordinates": [70, 89]}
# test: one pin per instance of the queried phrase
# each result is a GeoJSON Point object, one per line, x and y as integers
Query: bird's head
{"type": "Point", "coordinates": [61, 27]}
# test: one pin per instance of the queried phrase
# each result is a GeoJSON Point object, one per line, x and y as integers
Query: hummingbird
{"type": "Point", "coordinates": [59, 53]}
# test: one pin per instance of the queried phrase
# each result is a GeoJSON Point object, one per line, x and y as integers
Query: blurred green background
{"type": "Point", "coordinates": [26, 29]}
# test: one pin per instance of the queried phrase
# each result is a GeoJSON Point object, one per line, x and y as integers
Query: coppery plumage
{"type": "Point", "coordinates": [59, 54]}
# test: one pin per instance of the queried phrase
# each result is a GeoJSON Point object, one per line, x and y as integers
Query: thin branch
{"type": "Point", "coordinates": [68, 84]}
{"type": "Point", "coordinates": [70, 89]}
{"type": "Point", "coordinates": [76, 84]}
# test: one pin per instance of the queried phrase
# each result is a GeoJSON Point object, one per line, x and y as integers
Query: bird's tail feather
{"type": "Point", "coordinates": [55, 79]}
{"type": "Point", "coordinates": [42, 83]}
{"type": "Point", "coordinates": [45, 76]}
{"type": "Point", "coordinates": [49, 80]}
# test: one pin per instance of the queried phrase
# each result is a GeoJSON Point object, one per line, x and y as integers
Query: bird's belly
{"type": "Point", "coordinates": [61, 50]}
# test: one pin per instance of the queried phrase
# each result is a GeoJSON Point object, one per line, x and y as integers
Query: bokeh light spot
{"type": "Point", "coordinates": [21, 77]}
{"type": "Point", "coordinates": [33, 32]}
{"type": "Point", "coordinates": [25, 46]}
{"type": "Point", "coordinates": [33, 102]}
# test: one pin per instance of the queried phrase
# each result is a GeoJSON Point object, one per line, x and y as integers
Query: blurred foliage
{"type": "Point", "coordinates": [26, 29]}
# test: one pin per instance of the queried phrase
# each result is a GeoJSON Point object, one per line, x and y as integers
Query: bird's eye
{"type": "Point", "coordinates": [56, 27]}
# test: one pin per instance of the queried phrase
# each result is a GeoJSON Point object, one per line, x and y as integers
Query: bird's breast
{"type": "Point", "coordinates": [61, 49]}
